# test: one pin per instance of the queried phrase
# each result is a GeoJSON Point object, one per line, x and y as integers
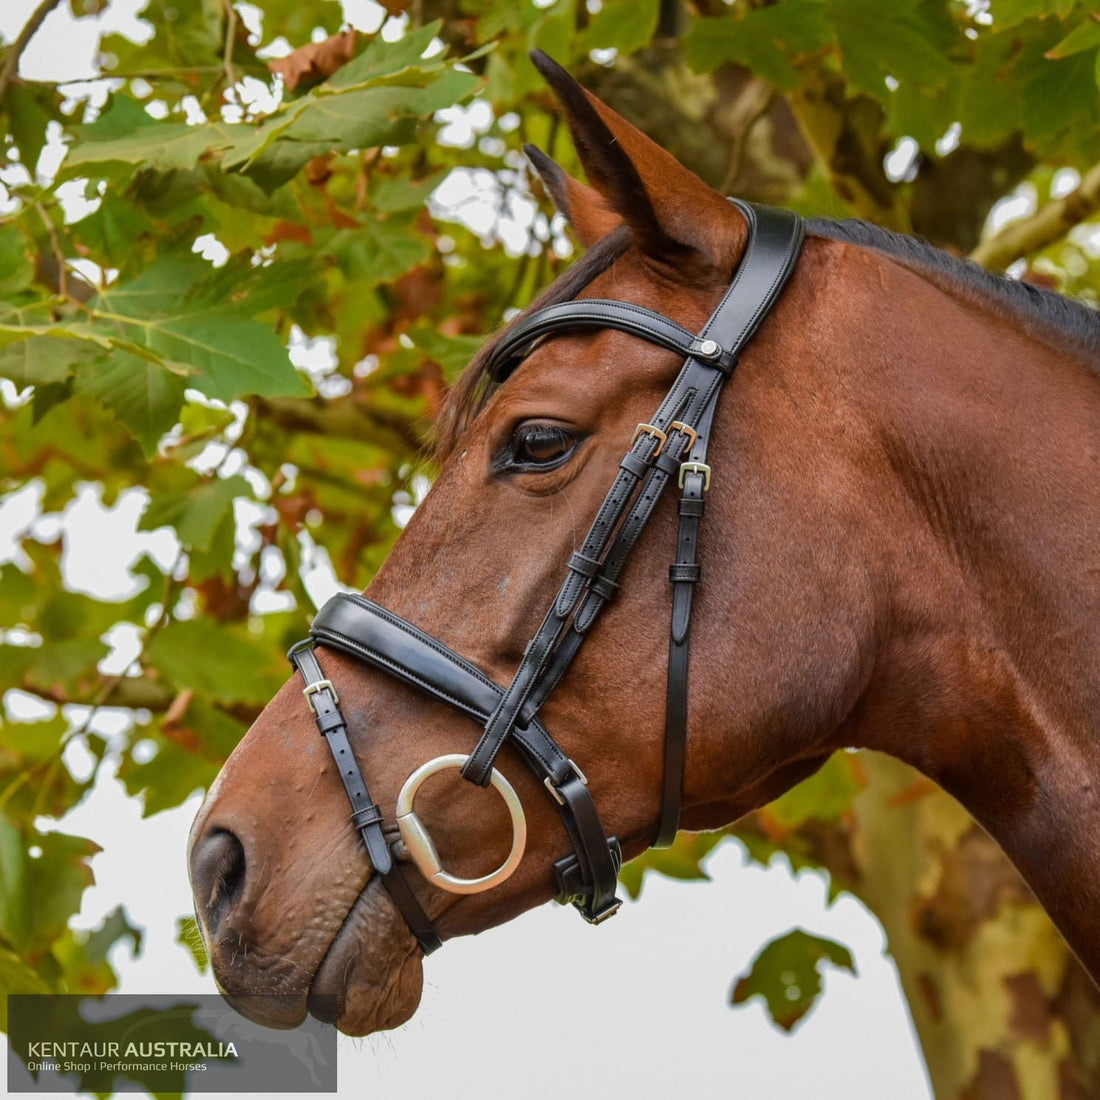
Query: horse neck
{"type": "Point", "coordinates": [987, 675]}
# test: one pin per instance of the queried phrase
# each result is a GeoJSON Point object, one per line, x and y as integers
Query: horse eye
{"type": "Point", "coordinates": [541, 445]}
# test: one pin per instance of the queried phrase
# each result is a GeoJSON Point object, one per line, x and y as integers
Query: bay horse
{"type": "Point", "coordinates": [902, 497]}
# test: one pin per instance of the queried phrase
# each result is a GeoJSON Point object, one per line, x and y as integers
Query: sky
{"type": "Point", "coordinates": [637, 1006]}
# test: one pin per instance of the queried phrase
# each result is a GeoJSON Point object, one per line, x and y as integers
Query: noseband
{"type": "Point", "coordinates": [673, 446]}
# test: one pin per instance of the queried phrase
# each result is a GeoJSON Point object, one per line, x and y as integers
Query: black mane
{"type": "Point", "coordinates": [1043, 312]}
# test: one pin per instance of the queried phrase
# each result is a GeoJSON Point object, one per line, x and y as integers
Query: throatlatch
{"type": "Point", "coordinates": [672, 446]}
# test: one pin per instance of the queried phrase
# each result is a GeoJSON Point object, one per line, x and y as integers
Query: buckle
{"type": "Point", "coordinates": [695, 468]}
{"type": "Point", "coordinates": [316, 686]}
{"type": "Point", "coordinates": [649, 429]}
{"type": "Point", "coordinates": [685, 429]}
{"type": "Point", "coordinates": [609, 910]}
{"type": "Point", "coordinates": [555, 793]}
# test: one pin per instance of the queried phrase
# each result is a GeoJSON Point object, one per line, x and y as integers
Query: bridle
{"type": "Point", "coordinates": [671, 447]}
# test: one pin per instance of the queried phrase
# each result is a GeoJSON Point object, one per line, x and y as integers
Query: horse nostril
{"type": "Point", "coordinates": [217, 874]}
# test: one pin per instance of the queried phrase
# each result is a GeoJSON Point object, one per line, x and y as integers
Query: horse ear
{"type": "Point", "coordinates": [583, 207]}
{"type": "Point", "coordinates": [671, 211]}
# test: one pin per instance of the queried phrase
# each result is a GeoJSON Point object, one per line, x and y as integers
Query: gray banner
{"type": "Point", "coordinates": [160, 1043]}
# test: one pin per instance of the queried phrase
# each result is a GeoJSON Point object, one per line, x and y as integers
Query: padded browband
{"type": "Point", "coordinates": [600, 313]}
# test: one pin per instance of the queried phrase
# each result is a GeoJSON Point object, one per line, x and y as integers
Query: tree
{"type": "Point", "coordinates": [220, 205]}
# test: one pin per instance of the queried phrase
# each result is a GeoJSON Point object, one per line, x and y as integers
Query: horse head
{"type": "Point", "coordinates": [465, 652]}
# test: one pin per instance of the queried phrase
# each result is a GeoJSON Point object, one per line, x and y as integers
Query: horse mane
{"type": "Point", "coordinates": [1043, 314]}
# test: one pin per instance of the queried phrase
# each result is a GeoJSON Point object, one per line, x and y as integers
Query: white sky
{"type": "Point", "coordinates": [636, 1006]}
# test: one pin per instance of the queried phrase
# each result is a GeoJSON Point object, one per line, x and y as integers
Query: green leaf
{"type": "Point", "coordinates": [232, 357]}
{"type": "Point", "coordinates": [112, 231]}
{"type": "Point", "coordinates": [145, 396]}
{"type": "Point", "coordinates": [215, 662]}
{"type": "Point", "coordinates": [337, 117]}
{"type": "Point", "coordinates": [624, 25]}
{"type": "Point", "coordinates": [16, 265]}
{"type": "Point", "coordinates": [196, 513]}
{"type": "Point", "coordinates": [168, 779]}
{"type": "Point", "coordinates": [189, 936]}
{"type": "Point", "coordinates": [83, 955]}
{"type": "Point", "coordinates": [14, 910]}
{"type": "Point", "coordinates": [182, 316]}
{"type": "Point", "coordinates": [878, 41]}
{"type": "Point", "coordinates": [787, 974]}
{"type": "Point", "coordinates": [1010, 13]}
{"type": "Point", "coordinates": [30, 108]}
{"type": "Point", "coordinates": [17, 977]}
{"type": "Point", "coordinates": [682, 860]}
{"type": "Point", "coordinates": [379, 251]}
{"type": "Point", "coordinates": [384, 59]}
{"type": "Point", "coordinates": [163, 147]}
{"type": "Point", "coordinates": [825, 795]}
{"type": "Point", "coordinates": [452, 353]}
{"type": "Point", "coordinates": [768, 40]}
{"type": "Point", "coordinates": [1085, 36]}
{"type": "Point", "coordinates": [1071, 83]}
{"type": "Point", "coordinates": [41, 360]}
{"type": "Point", "coordinates": [67, 666]}
{"type": "Point", "coordinates": [395, 194]}
{"type": "Point", "coordinates": [43, 877]}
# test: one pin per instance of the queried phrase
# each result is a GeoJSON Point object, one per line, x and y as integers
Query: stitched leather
{"type": "Point", "coordinates": [598, 314]}
{"type": "Point", "coordinates": [361, 628]}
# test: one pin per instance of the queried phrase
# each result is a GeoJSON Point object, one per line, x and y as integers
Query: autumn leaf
{"type": "Point", "coordinates": [318, 60]}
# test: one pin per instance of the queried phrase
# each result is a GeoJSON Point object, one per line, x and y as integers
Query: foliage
{"type": "Point", "coordinates": [212, 221]}
{"type": "Point", "coordinates": [786, 973]}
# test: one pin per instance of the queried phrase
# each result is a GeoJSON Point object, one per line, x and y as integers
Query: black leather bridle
{"type": "Point", "coordinates": [672, 446]}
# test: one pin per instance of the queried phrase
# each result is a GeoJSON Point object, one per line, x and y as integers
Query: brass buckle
{"type": "Point", "coordinates": [649, 429]}
{"type": "Point", "coordinates": [316, 686]}
{"type": "Point", "coordinates": [685, 429]}
{"type": "Point", "coordinates": [695, 468]}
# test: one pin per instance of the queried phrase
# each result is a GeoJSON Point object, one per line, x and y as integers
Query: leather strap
{"type": "Point", "coordinates": [599, 313]}
{"type": "Point", "coordinates": [366, 816]}
{"type": "Point", "coordinates": [774, 240]}
{"type": "Point", "coordinates": [361, 628]}
{"type": "Point", "coordinates": [776, 237]}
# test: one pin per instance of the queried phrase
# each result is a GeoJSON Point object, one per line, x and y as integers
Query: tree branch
{"type": "Point", "coordinates": [15, 52]}
{"type": "Point", "coordinates": [129, 692]}
{"type": "Point", "coordinates": [346, 419]}
{"type": "Point", "coordinates": [1044, 227]}
{"type": "Point", "coordinates": [760, 96]}
{"type": "Point", "coordinates": [230, 37]}
{"type": "Point", "coordinates": [845, 133]}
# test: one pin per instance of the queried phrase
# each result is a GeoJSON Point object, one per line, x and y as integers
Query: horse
{"type": "Point", "coordinates": [899, 553]}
